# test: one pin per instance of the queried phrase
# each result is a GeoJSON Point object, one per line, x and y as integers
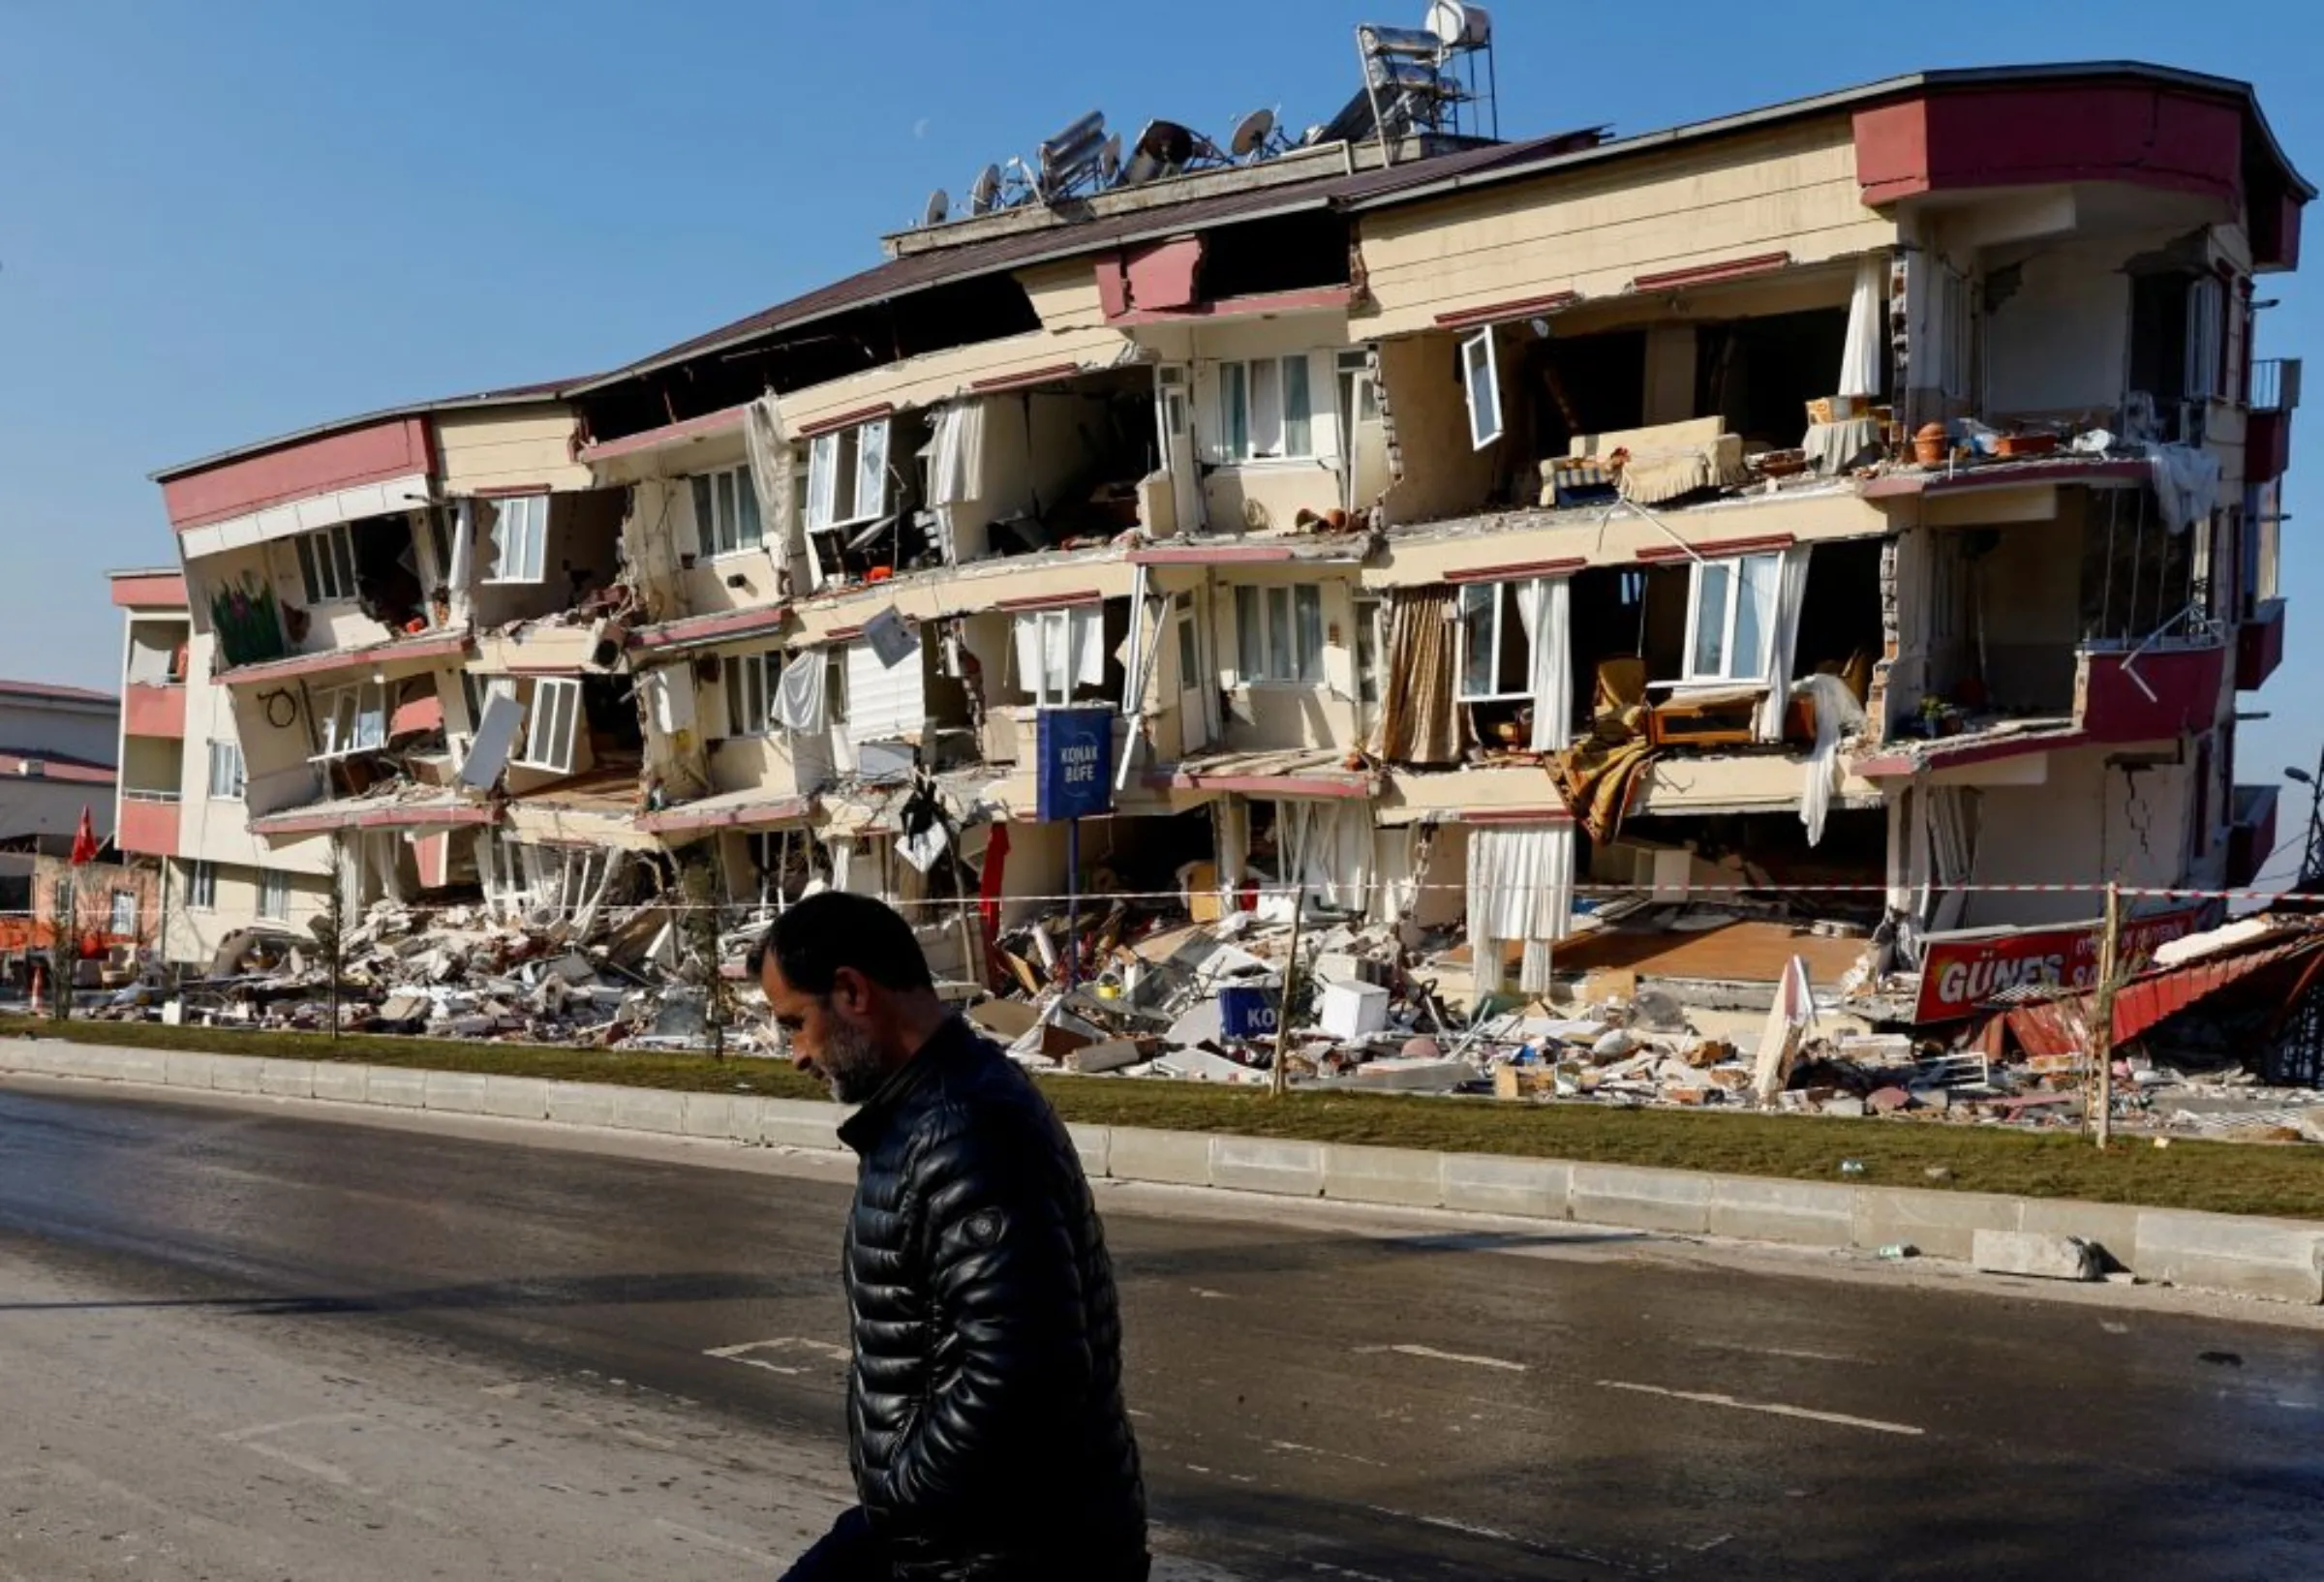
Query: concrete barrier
{"type": "Point", "coordinates": [185, 1069]}
{"type": "Point", "coordinates": [1642, 1200]}
{"type": "Point", "coordinates": [2279, 1259]}
{"type": "Point", "coordinates": [1942, 1224]}
{"type": "Point", "coordinates": [1167, 1158]}
{"type": "Point", "coordinates": [238, 1073]}
{"type": "Point", "coordinates": [713, 1116]}
{"type": "Point", "coordinates": [403, 1087]}
{"type": "Point", "coordinates": [649, 1110]}
{"type": "Point", "coordinates": [1401, 1176]}
{"type": "Point", "coordinates": [1095, 1144]}
{"type": "Point", "coordinates": [1258, 1163]}
{"type": "Point", "coordinates": [517, 1098]}
{"type": "Point", "coordinates": [1488, 1183]}
{"type": "Point", "coordinates": [287, 1078]}
{"type": "Point", "coordinates": [456, 1092]}
{"type": "Point", "coordinates": [1807, 1214]}
{"type": "Point", "coordinates": [341, 1082]}
{"type": "Point", "coordinates": [799, 1124]}
{"type": "Point", "coordinates": [583, 1103]}
{"type": "Point", "coordinates": [128, 1065]}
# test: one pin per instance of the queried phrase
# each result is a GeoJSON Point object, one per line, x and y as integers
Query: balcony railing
{"type": "Point", "coordinates": [2276, 385]}
{"type": "Point", "coordinates": [132, 793]}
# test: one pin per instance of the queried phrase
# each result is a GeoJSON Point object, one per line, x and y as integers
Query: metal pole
{"type": "Point", "coordinates": [2101, 1033]}
{"type": "Point", "coordinates": [64, 938]}
{"type": "Point", "coordinates": [1280, 1078]}
{"type": "Point", "coordinates": [1073, 903]}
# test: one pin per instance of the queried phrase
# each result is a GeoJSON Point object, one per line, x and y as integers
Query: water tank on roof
{"type": "Point", "coordinates": [1461, 26]}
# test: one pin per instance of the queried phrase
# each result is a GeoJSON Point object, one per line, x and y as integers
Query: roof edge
{"type": "Point", "coordinates": [520, 396]}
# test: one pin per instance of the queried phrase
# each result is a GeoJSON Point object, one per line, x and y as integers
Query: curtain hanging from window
{"type": "Point", "coordinates": [771, 476]}
{"type": "Point", "coordinates": [1520, 886]}
{"type": "Point", "coordinates": [799, 693]}
{"type": "Point", "coordinates": [1419, 723]}
{"type": "Point", "coordinates": [1867, 342]}
{"type": "Point", "coordinates": [1324, 848]}
{"type": "Point", "coordinates": [1546, 607]}
{"type": "Point", "coordinates": [1779, 615]}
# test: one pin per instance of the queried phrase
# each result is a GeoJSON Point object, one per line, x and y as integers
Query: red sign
{"type": "Point", "coordinates": [1957, 976]}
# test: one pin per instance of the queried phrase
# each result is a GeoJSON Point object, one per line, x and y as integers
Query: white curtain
{"type": "Point", "coordinates": [771, 476]}
{"type": "Point", "coordinates": [457, 574]}
{"type": "Point", "coordinates": [959, 471]}
{"type": "Point", "coordinates": [1545, 608]}
{"type": "Point", "coordinates": [799, 693]}
{"type": "Point", "coordinates": [1779, 618]}
{"type": "Point", "coordinates": [1520, 886]}
{"type": "Point", "coordinates": [872, 468]}
{"type": "Point", "coordinates": [1324, 848]}
{"type": "Point", "coordinates": [822, 481]}
{"type": "Point", "coordinates": [1838, 715]}
{"type": "Point", "coordinates": [1060, 649]}
{"type": "Point", "coordinates": [1860, 354]}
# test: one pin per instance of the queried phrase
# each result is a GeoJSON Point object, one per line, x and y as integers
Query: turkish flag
{"type": "Point", "coordinates": [84, 840]}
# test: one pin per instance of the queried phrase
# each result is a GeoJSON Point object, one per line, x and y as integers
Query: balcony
{"type": "Point", "coordinates": [150, 709]}
{"type": "Point", "coordinates": [2251, 837]}
{"type": "Point", "coordinates": [2259, 644]}
{"type": "Point", "coordinates": [2267, 431]}
{"type": "Point", "coordinates": [2149, 694]}
{"type": "Point", "coordinates": [147, 823]}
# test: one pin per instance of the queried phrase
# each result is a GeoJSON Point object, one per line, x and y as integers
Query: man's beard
{"type": "Point", "coordinates": [851, 1062]}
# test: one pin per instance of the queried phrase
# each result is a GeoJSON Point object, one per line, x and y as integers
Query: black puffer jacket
{"type": "Point", "coordinates": [985, 1418]}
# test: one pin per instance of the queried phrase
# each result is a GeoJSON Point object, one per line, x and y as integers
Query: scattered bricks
{"type": "Point", "coordinates": [1479, 1183]}
{"type": "Point", "coordinates": [1887, 1101]}
{"type": "Point", "coordinates": [2035, 1254]}
{"type": "Point", "coordinates": [1642, 1200]}
{"type": "Point", "coordinates": [401, 1086]}
{"type": "Point", "coordinates": [341, 1082]}
{"type": "Point", "coordinates": [1252, 1164]}
{"type": "Point", "coordinates": [1402, 1177]}
{"type": "Point", "coordinates": [1168, 1158]}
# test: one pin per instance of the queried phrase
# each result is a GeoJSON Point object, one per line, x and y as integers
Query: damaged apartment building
{"type": "Point", "coordinates": [1840, 509]}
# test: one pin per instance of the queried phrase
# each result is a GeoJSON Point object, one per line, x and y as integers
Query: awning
{"type": "Point", "coordinates": [1269, 774]}
{"type": "Point", "coordinates": [2061, 1026]}
{"type": "Point", "coordinates": [400, 653]}
{"type": "Point", "coordinates": [397, 812]}
{"type": "Point", "coordinates": [748, 810]}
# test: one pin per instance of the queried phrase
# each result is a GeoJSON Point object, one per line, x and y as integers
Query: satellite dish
{"type": "Point", "coordinates": [939, 204]}
{"type": "Point", "coordinates": [985, 189]}
{"type": "Point", "coordinates": [1250, 133]}
{"type": "Point", "coordinates": [1108, 161]}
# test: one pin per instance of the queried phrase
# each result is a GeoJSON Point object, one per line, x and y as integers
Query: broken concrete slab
{"type": "Point", "coordinates": [1112, 1054]}
{"type": "Point", "coordinates": [2035, 1254]}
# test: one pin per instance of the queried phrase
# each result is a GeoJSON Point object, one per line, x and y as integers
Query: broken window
{"type": "Point", "coordinates": [553, 723]}
{"type": "Point", "coordinates": [1496, 654]}
{"type": "Point", "coordinates": [350, 720]}
{"type": "Point", "coordinates": [1267, 409]}
{"type": "Point", "coordinates": [326, 565]}
{"type": "Point", "coordinates": [848, 476]}
{"type": "Point", "coordinates": [1481, 379]}
{"type": "Point", "coordinates": [520, 536]}
{"type": "Point", "coordinates": [1059, 651]}
{"type": "Point", "coordinates": [1279, 634]}
{"type": "Point", "coordinates": [752, 683]}
{"type": "Point", "coordinates": [201, 885]}
{"type": "Point", "coordinates": [227, 777]}
{"type": "Point", "coordinates": [274, 894]}
{"type": "Point", "coordinates": [1729, 616]}
{"type": "Point", "coordinates": [726, 517]}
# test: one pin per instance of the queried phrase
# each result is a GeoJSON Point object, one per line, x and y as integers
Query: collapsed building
{"type": "Point", "coordinates": [1836, 531]}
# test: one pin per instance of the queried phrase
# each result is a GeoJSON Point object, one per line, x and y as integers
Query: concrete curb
{"type": "Point", "coordinates": [2245, 1256]}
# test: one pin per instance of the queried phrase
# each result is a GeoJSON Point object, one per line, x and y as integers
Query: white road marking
{"type": "Point", "coordinates": [1773, 1408]}
{"type": "Point", "coordinates": [1209, 1295]}
{"type": "Point", "coordinates": [1431, 1352]}
{"type": "Point", "coordinates": [1312, 1451]}
{"type": "Point", "coordinates": [781, 1343]}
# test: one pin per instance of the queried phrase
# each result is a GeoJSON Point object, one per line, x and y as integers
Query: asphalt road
{"type": "Point", "coordinates": [421, 1354]}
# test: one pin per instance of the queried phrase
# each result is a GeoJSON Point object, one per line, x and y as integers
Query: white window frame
{"type": "Point", "coordinates": [1268, 647]}
{"type": "Point", "coordinates": [1272, 429]}
{"type": "Point", "coordinates": [722, 524]}
{"type": "Point", "coordinates": [1957, 331]}
{"type": "Point", "coordinates": [1371, 648]}
{"type": "Point", "coordinates": [233, 784]}
{"type": "Point", "coordinates": [274, 894]}
{"type": "Point", "coordinates": [326, 565]}
{"type": "Point", "coordinates": [837, 462]}
{"type": "Point", "coordinates": [1480, 359]}
{"type": "Point", "coordinates": [2206, 330]}
{"type": "Point", "coordinates": [1053, 689]}
{"type": "Point", "coordinates": [201, 885]}
{"type": "Point", "coordinates": [552, 725]}
{"type": "Point", "coordinates": [121, 914]}
{"type": "Point", "coordinates": [743, 675]}
{"type": "Point", "coordinates": [519, 539]}
{"type": "Point", "coordinates": [1730, 672]}
{"type": "Point", "coordinates": [1506, 599]}
{"type": "Point", "coordinates": [348, 719]}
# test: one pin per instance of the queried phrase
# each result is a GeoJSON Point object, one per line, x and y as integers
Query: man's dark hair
{"type": "Point", "coordinates": [834, 930]}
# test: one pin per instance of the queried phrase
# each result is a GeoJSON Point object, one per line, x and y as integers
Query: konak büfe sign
{"type": "Point", "coordinates": [1957, 976]}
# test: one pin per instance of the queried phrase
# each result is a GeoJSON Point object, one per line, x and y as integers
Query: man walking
{"type": "Point", "coordinates": [985, 1421]}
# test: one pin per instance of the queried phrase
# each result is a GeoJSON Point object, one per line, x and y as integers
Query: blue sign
{"type": "Point", "coordinates": [1077, 763]}
{"type": "Point", "coordinates": [1247, 1011]}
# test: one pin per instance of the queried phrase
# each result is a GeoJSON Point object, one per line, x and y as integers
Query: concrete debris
{"type": "Point", "coordinates": [2036, 1255]}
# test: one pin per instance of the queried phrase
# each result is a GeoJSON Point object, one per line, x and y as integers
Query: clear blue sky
{"type": "Point", "coordinates": [220, 222]}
